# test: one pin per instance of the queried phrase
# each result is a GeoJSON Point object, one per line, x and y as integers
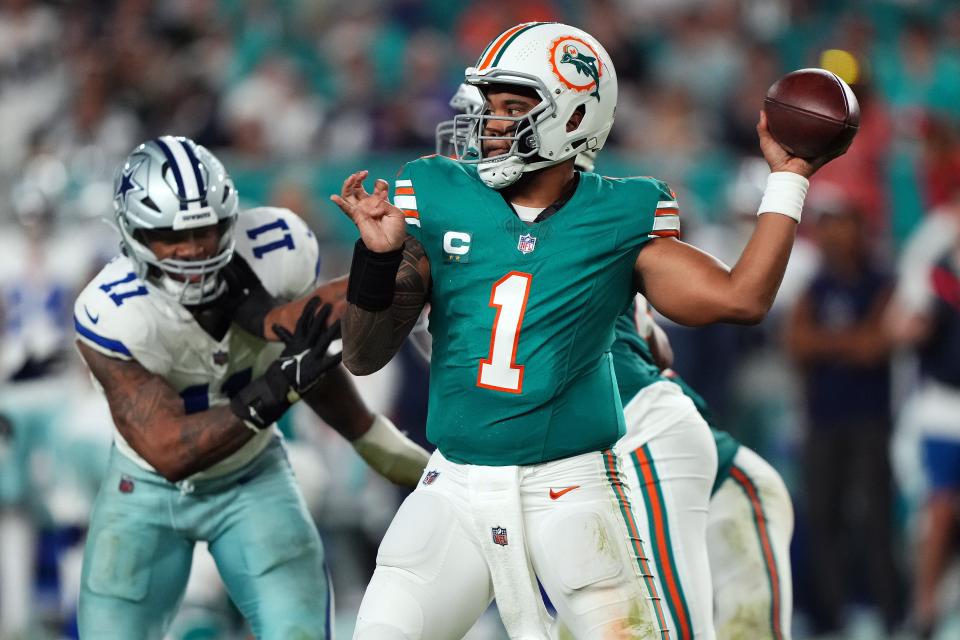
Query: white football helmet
{"type": "Point", "coordinates": [568, 69]}
{"type": "Point", "coordinates": [467, 99]}
{"type": "Point", "coordinates": [173, 183]}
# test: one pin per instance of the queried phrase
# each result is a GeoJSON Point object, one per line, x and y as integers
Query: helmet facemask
{"type": "Point", "coordinates": [504, 169]}
{"type": "Point", "coordinates": [450, 133]}
{"type": "Point", "coordinates": [189, 282]}
{"type": "Point", "coordinates": [174, 185]}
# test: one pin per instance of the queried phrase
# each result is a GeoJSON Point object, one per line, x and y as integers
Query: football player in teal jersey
{"type": "Point", "coordinates": [526, 265]}
{"type": "Point", "coordinates": [686, 476]}
{"type": "Point", "coordinates": [747, 525]}
{"type": "Point", "coordinates": [671, 454]}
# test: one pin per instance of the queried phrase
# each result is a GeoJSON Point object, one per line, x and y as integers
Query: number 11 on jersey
{"type": "Point", "coordinates": [500, 371]}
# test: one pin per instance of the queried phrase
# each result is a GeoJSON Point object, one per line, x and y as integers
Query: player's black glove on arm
{"type": "Point", "coordinates": [300, 366]}
{"type": "Point", "coordinates": [245, 301]}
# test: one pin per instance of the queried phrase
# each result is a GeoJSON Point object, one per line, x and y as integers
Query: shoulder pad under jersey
{"type": "Point", "coordinates": [280, 249]}
{"type": "Point", "coordinates": [116, 315]}
{"type": "Point", "coordinates": [435, 173]}
{"type": "Point", "coordinates": [655, 195]}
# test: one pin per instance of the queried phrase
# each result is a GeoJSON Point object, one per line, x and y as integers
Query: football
{"type": "Point", "coordinates": [812, 113]}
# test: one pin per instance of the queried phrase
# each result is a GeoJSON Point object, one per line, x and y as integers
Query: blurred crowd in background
{"type": "Point", "coordinates": [294, 94]}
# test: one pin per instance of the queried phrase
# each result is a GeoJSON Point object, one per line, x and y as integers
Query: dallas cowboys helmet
{"type": "Point", "coordinates": [570, 71]}
{"type": "Point", "coordinates": [173, 183]}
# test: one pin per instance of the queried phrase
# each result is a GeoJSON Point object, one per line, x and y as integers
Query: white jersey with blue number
{"type": "Point", "coordinates": [127, 318]}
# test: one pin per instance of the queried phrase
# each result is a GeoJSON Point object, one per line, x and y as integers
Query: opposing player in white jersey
{"type": "Point", "coordinates": [194, 397]}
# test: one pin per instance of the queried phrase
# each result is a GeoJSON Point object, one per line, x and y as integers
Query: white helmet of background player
{"type": "Point", "coordinates": [449, 137]}
{"type": "Point", "coordinates": [173, 183]}
{"type": "Point", "coordinates": [569, 70]}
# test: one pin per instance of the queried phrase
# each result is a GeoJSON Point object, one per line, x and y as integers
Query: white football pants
{"type": "Point", "coordinates": [448, 552]}
{"type": "Point", "coordinates": [670, 463]}
{"type": "Point", "coordinates": [748, 536]}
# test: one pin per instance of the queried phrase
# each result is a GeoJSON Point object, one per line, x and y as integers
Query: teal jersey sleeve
{"type": "Point", "coordinates": [405, 198]}
{"type": "Point", "coordinates": [647, 206]}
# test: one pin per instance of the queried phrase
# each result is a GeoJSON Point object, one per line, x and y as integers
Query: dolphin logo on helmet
{"type": "Point", "coordinates": [565, 66]}
{"type": "Point", "coordinates": [585, 65]}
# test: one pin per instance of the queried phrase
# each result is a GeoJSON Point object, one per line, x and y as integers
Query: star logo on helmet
{"type": "Point", "coordinates": [574, 60]}
{"type": "Point", "coordinates": [127, 183]}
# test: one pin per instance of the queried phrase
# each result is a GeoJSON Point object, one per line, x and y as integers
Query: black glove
{"type": "Point", "coordinates": [301, 365]}
{"type": "Point", "coordinates": [245, 301]}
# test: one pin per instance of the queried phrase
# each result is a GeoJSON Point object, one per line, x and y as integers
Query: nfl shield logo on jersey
{"type": "Point", "coordinates": [527, 243]}
{"type": "Point", "coordinates": [430, 476]}
{"type": "Point", "coordinates": [499, 536]}
{"type": "Point", "coordinates": [220, 357]}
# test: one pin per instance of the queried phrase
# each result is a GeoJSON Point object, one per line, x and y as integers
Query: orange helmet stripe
{"type": "Point", "coordinates": [492, 51]}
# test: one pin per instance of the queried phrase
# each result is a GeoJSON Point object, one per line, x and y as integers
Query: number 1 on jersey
{"type": "Point", "coordinates": [500, 371]}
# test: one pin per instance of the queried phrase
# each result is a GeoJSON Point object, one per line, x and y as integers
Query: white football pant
{"type": "Point", "coordinates": [748, 536]}
{"type": "Point", "coordinates": [454, 538]}
{"type": "Point", "coordinates": [670, 463]}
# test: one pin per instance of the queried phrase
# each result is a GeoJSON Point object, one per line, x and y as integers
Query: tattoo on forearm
{"type": "Point", "coordinates": [150, 415]}
{"type": "Point", "coordinates": [210, 436]}
{"type": "Point", "coordinates": [370, 339]}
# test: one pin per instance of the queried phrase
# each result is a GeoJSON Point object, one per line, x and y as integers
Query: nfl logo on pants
{"type": "Point", "coordinates": [499, 536]}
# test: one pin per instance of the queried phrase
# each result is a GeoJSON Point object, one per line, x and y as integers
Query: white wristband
{"type": "Point", "coordinates": [784, 194]}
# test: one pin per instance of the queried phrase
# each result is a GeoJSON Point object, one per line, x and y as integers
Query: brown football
{"type": "Point", "coordinates": [812, 113]}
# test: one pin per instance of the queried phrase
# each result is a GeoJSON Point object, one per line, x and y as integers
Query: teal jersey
{"type": "Point", "coordinates": [632, 358]}
{"type": "Point", "coordinates": [636, 369]}
{"type": "Point", "coordinates": [522, 314]}
{"type": "Point", "coordinates": [727, 447]}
